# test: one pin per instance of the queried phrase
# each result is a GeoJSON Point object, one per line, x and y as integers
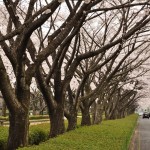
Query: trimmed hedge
{"type": "Point", "coordinates": [110, 135]}
{"type": "Point", "coordinates": [38, 133]}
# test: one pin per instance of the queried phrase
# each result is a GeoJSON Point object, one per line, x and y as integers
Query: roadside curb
{"type": "Point", "coordinates": [134, 143]}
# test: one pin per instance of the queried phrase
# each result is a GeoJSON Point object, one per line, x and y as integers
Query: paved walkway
{"type": "Point", "coordinates": [141, 138]}
{"type": "Point", "coordinates": [32, 122]}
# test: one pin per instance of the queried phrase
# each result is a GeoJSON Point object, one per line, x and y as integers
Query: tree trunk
{"type": "Point", "coordinates": [113, 115]}
{"type": "Point", "coordinates": [18, 130]}
{"type": "Point", "coordinates": [86, 119]}
{"type": "Point", "coordinates": [19, 119]}
{"type": "Point", "coordinates": [72, 123]}
{"type": "Point", "coordinates": [123, 114]}
{"type": "Point", "coordinates": [93, 111]}
{"type": "Point", "coordinates": [57, 125]}
{"type": "Point", "coordinates": [106, 115]}
{"type": "Point", "coordinates": [97, 118]}
{"type": "Point", "coordinates": [72, 120]}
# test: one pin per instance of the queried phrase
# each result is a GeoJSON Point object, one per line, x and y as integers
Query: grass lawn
{"type": "Point", "coordinates": [110, 135]}
{"type": "Point", "coordinates": [37, 133]}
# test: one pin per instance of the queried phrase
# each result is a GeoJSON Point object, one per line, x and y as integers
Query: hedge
{"type": "Point", "coordinates": [38, 133]}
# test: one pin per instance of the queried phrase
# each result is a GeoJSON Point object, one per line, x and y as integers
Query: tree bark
{"type": "Point", "coordinates": [123, 113]}
{"type": "Point", "coordinates": [86, 119]}
{"type": "Point", "coordinates": [72, 120]}
{"type": "Point", "coordinates": [18, 130]}
{"type": "Point", "coordinates": [57, 125]}
{"type": "Point", "coordinates": [113, 115]}
{"type": "Point", "coordinates": [97, 112]}
{"type": "Point", "coordinates": [72, 123]}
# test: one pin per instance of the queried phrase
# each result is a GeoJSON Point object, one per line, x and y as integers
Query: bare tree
{"type": "Point", "coordinates": [26, 59]}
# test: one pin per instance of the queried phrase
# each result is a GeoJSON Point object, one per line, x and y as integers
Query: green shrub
{"type": "Point", "coordinates": [3, 137]}
{"type": "Point", "coordinates": [38, 133]}
{"type": "Point", "coordinates": [36, 136]}
{"type": "Point", "coordinates": [4, 118]}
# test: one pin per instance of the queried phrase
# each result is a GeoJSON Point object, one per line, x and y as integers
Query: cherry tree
{"type": "Point", "coordinates": [27, 59]}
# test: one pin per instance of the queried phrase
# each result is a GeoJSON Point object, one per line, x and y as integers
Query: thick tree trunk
{"type": "Point", "coordinates": [107, 113]}
{"type": "Point", "coordinates": [19, 119]}
{"type": "Point", "coordinates": [119, 114]}
{"type": "Point", "coordinates": [18, 130]}
{"type": "Point", "coordinates": [113, 115]}
{"type": "Point", "coordinates": [93, 111]}
{"type": "Point", "coordinates": [17, 102]}
{"type": "Point", "coordinates": [72, 121]}
{"type": "Point", "coordinates": [86, 119]}
{"type": "Point", "coordinates": [55, 104]}
{"type": "Point", "coordinates": [57, 125]}
{"type": "Point", "coordinates": [98, 113]}
{"type": "Point", "coordinates": [123, 114]}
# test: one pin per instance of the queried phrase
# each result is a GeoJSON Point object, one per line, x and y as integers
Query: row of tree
{"type": "Point", "coordinates": [83, 55]}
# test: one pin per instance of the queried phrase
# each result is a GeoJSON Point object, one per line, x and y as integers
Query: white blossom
{"type": "Point", "coordinates": [62, 29]}
{"type": "Point", "coordinates": [96, 100]}
{"type": "Point", "coordinates": [146, 11]}
{"type": "Point", "coordinates": [87, 1]}
{"type": "Point", "coordinates": [31, 62]}
{"type": "Point", "coordinates": [84, 12]}
{"type": "Point", "coordinates": [47, 11]}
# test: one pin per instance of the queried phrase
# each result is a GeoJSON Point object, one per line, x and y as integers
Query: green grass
{"type": "Point", "coordinates": [3, 137]}
{"type": "Point", "coordinates": [37, 133]}
{"type": "Point", "coordinates": [110, 135]}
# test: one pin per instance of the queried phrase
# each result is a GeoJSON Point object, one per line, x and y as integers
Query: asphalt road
{"type": "Point", "coordinates": [142, 135]}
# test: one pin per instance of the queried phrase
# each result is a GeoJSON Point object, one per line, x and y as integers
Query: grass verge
{"type": "Point", "coordinates": [37, 133]}
{"type": "Point", "coordinates": [110, 135]}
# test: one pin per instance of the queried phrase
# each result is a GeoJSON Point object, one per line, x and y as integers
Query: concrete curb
{"type": "Point", "coordinates": [134, 142]}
